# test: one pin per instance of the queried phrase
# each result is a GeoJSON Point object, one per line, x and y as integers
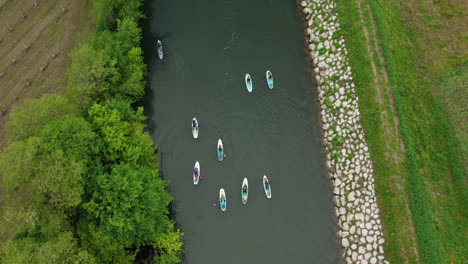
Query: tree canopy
{"type": "Point", "coordinates": [79, 178]}
{"type": "Point", "coordinates": [94, 178]}
{"type": "Point", "coordinates": [26, 118]}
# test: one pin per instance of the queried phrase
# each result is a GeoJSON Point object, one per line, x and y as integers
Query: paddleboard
{"type": "Point", "coordinates": [269, 79]}
{"type": "Point", "coordinates": [195, 128]}
{"type": "Point", "coordinates": [220, 150]}
{"type": "Point", "coordinates": [196, 173]}
{"type": "Point", "coordinates": [222, 199]}
{"type": "Point", "coordinates": [245, 191]}
{"type": "Point", "coordinates": [266, 186]}
{"type": "Point", "coordinates": [160, 49]}
{"type": "Point", "coordinates": [248, 83]}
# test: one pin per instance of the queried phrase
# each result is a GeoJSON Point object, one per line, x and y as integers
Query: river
{"type": "Point", "coordinates": [209, 46]}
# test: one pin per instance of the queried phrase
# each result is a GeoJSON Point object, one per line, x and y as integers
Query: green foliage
{"type": "Point", "coordinates": [110, 11]}
{"type": "Point", "coordinates": [59, 179]}
{"type": "Point", "coordinates": [61, 249]}
{"type": "Point", "coordinates": [16, 163]}
{"type": "Point", "coordinates": [50, 167]}
{"type": "Point", "coordinates": [169, 246]}
{"type": "Point", "coordinates": [26, 118]}
{"type": "Point", "coordinates": [118, 42]}
{"type": "Point", "coordinates": [130, 204]}
{"type": "Point", "coordinates": [86, 189]}
{"type": "Point", "coordinates": [75, 138]}
{"type": "Point", "coordinates": [111, 65]}
{"type": "Point", "coordinates": [134, 71]}
{"type": "Point", "coordinates": [122, 46]}
{"type": "Point", "coordinates": [92, 74]}
{"type": "Point", "coordinates": [123, 135]}
{"type": "Point", "coordinates": [50, 179]}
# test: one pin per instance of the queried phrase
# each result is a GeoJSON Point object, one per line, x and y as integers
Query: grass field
{"type": "Point", "coordinates": [441, 33]}
{"type": "Point", "coordinates": [409, 62]}
{"type": "Point", "coordinates": [381, 125]}
{"type": "Point", "coordinates": [35, 39]}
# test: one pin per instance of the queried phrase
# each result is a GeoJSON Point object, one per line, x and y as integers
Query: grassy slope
{"type": "Point", "coordinates": [435, 179]}
{"type": "Point", "coordinates": [393, 213]}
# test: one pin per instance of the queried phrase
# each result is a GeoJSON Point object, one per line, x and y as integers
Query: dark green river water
{"type": "Point", "coordinates": [209, 46]}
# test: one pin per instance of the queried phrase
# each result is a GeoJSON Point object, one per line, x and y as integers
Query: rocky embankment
{"type": "Point", "coordinates": [348, 159]}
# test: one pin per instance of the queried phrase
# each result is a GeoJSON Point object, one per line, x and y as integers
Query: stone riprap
{"type": "Point", "coordinates": [348, 159]}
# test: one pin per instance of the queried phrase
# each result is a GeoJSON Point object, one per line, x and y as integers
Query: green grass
{"type": "Point", "coordinates": [436, 184]}
{"type": "Point", "coordinates": [434, 174]}
{"type": "Point", "coordinates": [392, 208]}
{"type": "Point", "coordinates": [452, 87]}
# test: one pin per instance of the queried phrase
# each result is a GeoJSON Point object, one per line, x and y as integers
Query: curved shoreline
{"type": "Point", "coordinates": [348, 159]}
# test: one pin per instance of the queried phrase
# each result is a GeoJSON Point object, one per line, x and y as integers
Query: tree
{"type": "Point", "coordinates": [75, 137]}
{"type": "Point", "coordinates": [122, 133]}
{"type": "Point", "coordinates": [92, 74]}
{"type": "Point", "coordinates": [134, 70]}
{"type": "Point", "coordinates": [122, 46]}
{"type": "Point", "coordinates": [168, 246]}
{"type": "Point", "coordinates": [129, 206]}
{"type": "Point", "coordinates": [17, 167]}
{"type": "Point", "coordinates": [26, 118]}
{"type": "Point", "coordinates": [32, 249]}
{"type": "Point", "coordinates": [59, 180]}
{"type": "Point", "coordinates": [49, 168]}
{"type": "Point", "coordinates": [110, 11]}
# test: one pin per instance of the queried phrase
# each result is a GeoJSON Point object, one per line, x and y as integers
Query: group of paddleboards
{"type": "Point", "coordinates": [244, 192]}
{"type": "Point", "coordinates": [220, 154]}
{"type": "Point", "coordinates": [248, 79]}
{"type": "Point", "coordinates": [249, 82]}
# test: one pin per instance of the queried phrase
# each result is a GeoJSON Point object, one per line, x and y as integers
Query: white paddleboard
{"type": "Point", "coordinates": [196, 173]}
{"type": "Point", "coordinates": [245, 191]}
{"type": "Point", "coordinates": [220, 150]}
{"type": "Point", "coordinates": [195, 128]}
{"type": "Point", "coordinates": [222, 200]}
{"type": "Point", "coordinates": [267, 186]}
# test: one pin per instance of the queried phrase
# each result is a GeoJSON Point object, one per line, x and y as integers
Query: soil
{"type": "Point", "coordinates": [36, 37]}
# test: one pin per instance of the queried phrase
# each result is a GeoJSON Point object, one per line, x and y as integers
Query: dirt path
{"type": "Point", "coordinates": [395, 147]}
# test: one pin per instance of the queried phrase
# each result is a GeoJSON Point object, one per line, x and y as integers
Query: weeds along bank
{"type": "Point", "coordinates": [79, 177]}
{"type": "Point", "coordinates": [348, 156]}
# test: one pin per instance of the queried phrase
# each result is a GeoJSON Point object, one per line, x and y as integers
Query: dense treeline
{"type": "Point", "coordinates": [79, 177]}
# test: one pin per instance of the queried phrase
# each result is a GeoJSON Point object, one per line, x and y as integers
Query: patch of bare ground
{"type": "Point", "coordinates": [35, 39]}
{"type": "Point", "coordinates": [394, 146]}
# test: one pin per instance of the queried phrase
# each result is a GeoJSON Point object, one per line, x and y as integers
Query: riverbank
{"type": "Point", "coordinates": [419, 43]}
{"type": "Point", "coordinates": [397, 53]}
{"type": "Point", "coordinates": [348, 157]}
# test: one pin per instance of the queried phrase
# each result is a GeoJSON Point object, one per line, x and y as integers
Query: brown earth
{"type": "Point", "coordinates": [36, 37]}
